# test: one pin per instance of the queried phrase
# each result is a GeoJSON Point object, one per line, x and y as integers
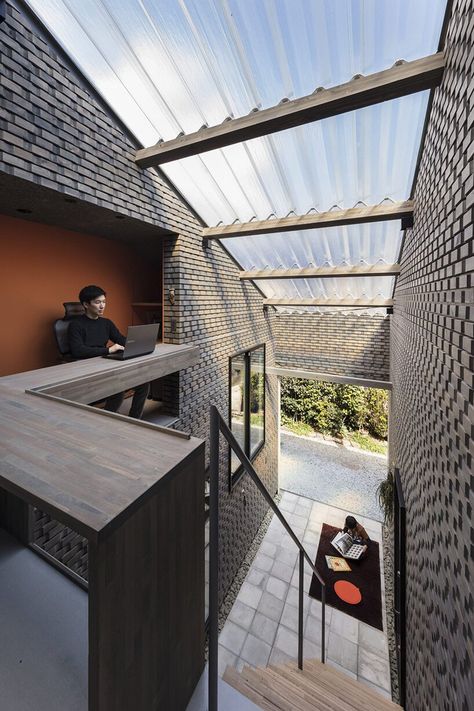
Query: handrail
{"type": "Point", "coordinates": [217, 426]}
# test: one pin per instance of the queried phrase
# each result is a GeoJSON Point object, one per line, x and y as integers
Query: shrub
{"type": "Point", "coordinates": [332, 408]}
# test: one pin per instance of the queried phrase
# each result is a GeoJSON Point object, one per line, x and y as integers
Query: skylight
{"type": "Point", "coordinates": [172, 66]}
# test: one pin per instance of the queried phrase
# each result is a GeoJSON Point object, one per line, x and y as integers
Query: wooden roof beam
{"type": "Point", "coordinates": [333, 218]}
{"type": "Point", "coordinates": [399, 80]}
{"type": "Point", "coordinates": [367, 270]}
{"type": "Point", "coordinates": [346, 302]}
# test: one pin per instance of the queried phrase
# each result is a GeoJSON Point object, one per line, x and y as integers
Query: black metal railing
{"type": "Point", "coordinates": [219, 426]}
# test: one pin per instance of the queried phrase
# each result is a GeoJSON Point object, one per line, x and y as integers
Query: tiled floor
{"type": "Point", "coordinates": [262, 626]}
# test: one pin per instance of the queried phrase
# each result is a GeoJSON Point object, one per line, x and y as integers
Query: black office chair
{"type": "Point", "coordinates": [72, 309]}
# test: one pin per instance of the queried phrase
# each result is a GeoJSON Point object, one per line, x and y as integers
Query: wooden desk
{"type": "Point", "coordinates": [135, 492]}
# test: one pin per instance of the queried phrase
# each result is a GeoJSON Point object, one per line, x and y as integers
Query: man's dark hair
{"type": "Point", "coordinates": [89, 293]}
{"type": "Point", "coordinates": [351, 522]}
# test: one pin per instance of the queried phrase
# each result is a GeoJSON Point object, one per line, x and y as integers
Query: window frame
{"type": "Point", "coordinates": [234, 477]}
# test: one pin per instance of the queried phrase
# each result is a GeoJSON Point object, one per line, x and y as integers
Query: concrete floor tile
{"type": "Point", "coordinates": [262, 562]}
{"type": "Point", "coordinates": [281, 571]}
{"type": "Point", "coordinates": [232, 637]}
{"type": "Point", "coordinates": [287, 641]}
{"type": "Point", "coordinates": [287, 556]}
{"type": "Point", "coordinates": [334, 664]}
{"type": "Point", "coordinates": [225, 659]}
{"type": "Point", "coordinates": [256, 577]}
{"type": "Point", "coordinates": [383, 692]}
{"type": "Point", "coordinates": [373, 640]}
{"type": "Point", "coordinates": [313, 631]}
{"type": "Point", "coordinates": [278, 656]}
{"type": "Point", "coordinates": [268, 548]}
{"type": "Point", "coordinates": [242, 614]}
{"type": "Point", "coordinates": [250, 595]}
{"type": "Point", "coordinates": [345, 626]}
{"type": "Point", "coordinates": [305, 503]}
{"type": "Point", "coordinates": [287, 506]}
{"type": "Point", "coordinates": [292, 598]}
{"type": "Point", "coordinates": [295, 578]}
{"type": "Point", "coordinates": [297, 522]}
{"type": "Point", "coordinates": [287, 542]}
{"type": "Point", "coordinates": [374, 668]}
{"type": "Point", "coordinates": [289, 617]}
{"type": "Point", "coordinates": [277, 587]}
{"type": "Point", "coordinates": [342, 651]}
{"type": "Point", "coordinates": [316, 610]}
{"type": "Point", "coordinates": [240, 663]}
{"type": "Point", "coordinates": [271, 606]}
{"type": "Point", "coordinates": [301, 510]}
{"type": "Point", "coordinates": [264, 628]}
{"type": "Point", "coordinates": [255, 651]}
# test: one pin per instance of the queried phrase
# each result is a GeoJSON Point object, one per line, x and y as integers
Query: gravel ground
{"type": "Point", "coordinates": [332, 473]}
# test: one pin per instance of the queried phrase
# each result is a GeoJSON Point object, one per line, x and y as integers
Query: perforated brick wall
{"type": "Point", "coordinates": [55, 132]}
{"type": "Point", "coordinates": [432, 363]}
{"type": "Point", "coordinates": [340, 344]}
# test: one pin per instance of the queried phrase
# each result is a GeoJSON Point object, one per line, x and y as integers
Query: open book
{"type": "Point", "coordinates": [344, 543]}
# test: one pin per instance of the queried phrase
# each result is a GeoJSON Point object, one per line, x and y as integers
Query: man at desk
{"type": "Point", "coordinates": [88, 338]}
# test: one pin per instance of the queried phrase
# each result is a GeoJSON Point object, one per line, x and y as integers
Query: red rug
{"type": "Point", "coordinates": [364, 574]}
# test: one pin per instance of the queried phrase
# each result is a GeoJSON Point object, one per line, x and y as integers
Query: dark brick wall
{"type": "Point", "coordinates": [432, 363]}
{"type": "Point", "coordinates": [341, 344]}
{"type": "Point", "coordinates": [55, 133]}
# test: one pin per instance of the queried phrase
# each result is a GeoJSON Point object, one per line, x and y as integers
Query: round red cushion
{"type": "Point", "coordinates": [348, 592]}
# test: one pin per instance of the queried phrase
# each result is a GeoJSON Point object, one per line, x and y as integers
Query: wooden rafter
{"type": "Point", "coordinates": [399, 80]}
{"type": "Point", "coordinates": [347, 302]}
{"type": "Point", "coordinates": [332, 218]}
{"type": "Point", "coordinates": [368, 270]}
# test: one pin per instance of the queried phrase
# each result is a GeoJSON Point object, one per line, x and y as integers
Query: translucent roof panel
{"type": "Point", "coordinates": [332, 246]}
{"type": "Point", "coordinates": [375, 243]}
{"type": "Point", "coordinates": [172, 66]}
{"type": "Point", "coordinates": [364, 155]}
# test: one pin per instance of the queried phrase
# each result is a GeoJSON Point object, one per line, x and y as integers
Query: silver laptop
{"type": "Point", "coordinates": [140, 341]}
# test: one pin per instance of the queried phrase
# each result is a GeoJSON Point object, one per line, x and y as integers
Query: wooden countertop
{"type": "Point", "coordinates": [88, 468]}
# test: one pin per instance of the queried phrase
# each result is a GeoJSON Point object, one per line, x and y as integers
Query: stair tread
{"type": "Point", "coordinates": [293, 695]}
{"type": "Point", "coordinates": [318, 687]}
{"type": "Point", "coordinates": [234, 679]}
{"type": "Point", "coordinates": [312, 688]}
{"type": "Point", "coordinates": [275, 690]}
{"type": "Point", "coordinates": [333, 676]}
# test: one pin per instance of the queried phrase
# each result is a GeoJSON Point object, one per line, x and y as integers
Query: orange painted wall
{"type": "Point", "coordinates": [41, 266]}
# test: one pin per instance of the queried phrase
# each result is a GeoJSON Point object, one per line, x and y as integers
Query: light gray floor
{"type": "Point", "coordinates": [331, 473]}
{"type": "Point", "coordinates": [229, 699]}
{"type": "Point", "coordinates": [43, 634]}
{"type": "Point", "coordinates": [262, 626]}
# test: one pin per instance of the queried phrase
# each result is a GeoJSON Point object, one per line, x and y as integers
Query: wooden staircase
{"type": "Point", "coordinates": [318, 687]}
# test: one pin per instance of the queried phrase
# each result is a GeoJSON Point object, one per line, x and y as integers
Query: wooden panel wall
{"type": "Point", "coordinates": [147, 644]}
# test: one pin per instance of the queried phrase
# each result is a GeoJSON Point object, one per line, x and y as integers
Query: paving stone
{"type": "Point", "coordinates": [255, 651]}
{"type": "Point", "coordinates": [264, 628]}
{"type": "Point", "coordinates": [271, 606]}
{"type": "Point", "coordinates": [277, 587]}
{"type": "Point", "coordinates": [250, 595]}
{"type": "Point", "coordinates": [242, 614]}
{"type": "Point", "coordinates": [232, 637]}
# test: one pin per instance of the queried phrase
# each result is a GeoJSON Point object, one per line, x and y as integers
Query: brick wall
{"type": "Point", "coordinates": [432, 363]}
{"type": "Point", "coordinates": [340, 344]}
{"type": "Point", "coordinates": [55, 133]}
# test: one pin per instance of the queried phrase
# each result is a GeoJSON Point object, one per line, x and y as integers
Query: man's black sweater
{"type": "Point", "coordinates": [89, 337]}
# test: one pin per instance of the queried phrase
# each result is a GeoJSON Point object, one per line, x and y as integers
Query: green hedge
{"type": "Point", "coordinates": [333, 409]}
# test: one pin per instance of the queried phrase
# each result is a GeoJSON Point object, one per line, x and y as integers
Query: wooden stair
{"type": "Point", "coordinates": [318, 687]}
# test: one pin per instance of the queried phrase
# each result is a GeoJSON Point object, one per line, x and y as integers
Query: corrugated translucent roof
{"type": "Point", "coordinates": [172, 66]}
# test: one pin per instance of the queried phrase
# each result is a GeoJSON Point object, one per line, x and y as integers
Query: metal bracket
{"type": "Point", "coordinates": [407, 222]}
